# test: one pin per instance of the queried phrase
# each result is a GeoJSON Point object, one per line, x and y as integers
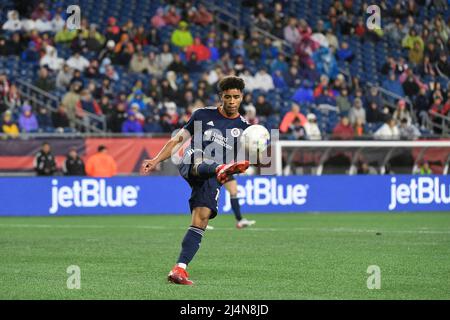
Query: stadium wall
{"type": "Point", "coordinates": [259, 194]}
{"type": "Point", "coordinates": [17, 155]}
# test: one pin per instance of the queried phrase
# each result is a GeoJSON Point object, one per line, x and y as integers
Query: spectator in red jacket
{"type": "Point", "coordinates": [343, 130]}
{"type": "Point", "coordinates": [289, 118]}
{"type": "Point", "coordinates": [172, 17]}
{"type": "Point", "coordinates": [202, 16]}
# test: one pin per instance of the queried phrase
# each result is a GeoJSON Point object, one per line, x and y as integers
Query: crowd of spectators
{"type": "Point", "coordinates": [182, 71]}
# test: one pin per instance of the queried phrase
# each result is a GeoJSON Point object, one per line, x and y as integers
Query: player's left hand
{"type": "Point", "coordinates": [148, 165]}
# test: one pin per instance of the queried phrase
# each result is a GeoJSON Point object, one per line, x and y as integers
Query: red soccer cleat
{"type": "Point", "coordinates": [179, 276]}
{"type": "Point", "coordinates": [225, 171]}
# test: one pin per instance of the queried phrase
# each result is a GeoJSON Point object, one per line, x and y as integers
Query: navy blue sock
{"type": "Point", "coordinates": [206, 170]}
{"type": "Point", "coordinates": [190, 244]}
{"type": "Point", "coordinates": [236, 208]}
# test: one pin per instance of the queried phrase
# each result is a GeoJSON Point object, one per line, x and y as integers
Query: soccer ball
{"type": "Point", "coordinates": [255, 139]}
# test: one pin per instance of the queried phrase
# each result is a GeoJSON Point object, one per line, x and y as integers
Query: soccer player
{"type": "Point", "coordinates": [219, 130]}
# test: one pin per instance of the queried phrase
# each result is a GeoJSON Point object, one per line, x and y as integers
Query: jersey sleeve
{"type": "Point", "coordinates": [189, 126]}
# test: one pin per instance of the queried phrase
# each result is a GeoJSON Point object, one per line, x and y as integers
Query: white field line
{"type": "Point", "coordinates": [336, 230]}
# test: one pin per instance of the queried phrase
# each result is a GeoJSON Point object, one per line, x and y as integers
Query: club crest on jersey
{"type": "Point", "coordinates": [235, 132]}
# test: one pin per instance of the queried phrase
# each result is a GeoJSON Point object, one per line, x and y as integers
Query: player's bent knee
{"type": "Point", "coordinates": [200, 217]}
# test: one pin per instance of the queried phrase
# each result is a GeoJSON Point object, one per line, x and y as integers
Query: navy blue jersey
{"type": "Point", "coordinates": [215, 134]}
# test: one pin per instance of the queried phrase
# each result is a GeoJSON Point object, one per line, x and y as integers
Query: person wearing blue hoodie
{"type": "Point", "coordinates": [31, 54]}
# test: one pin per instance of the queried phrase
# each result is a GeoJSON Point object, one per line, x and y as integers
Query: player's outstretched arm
{"type": "Point", "coordinates": [166, 152]}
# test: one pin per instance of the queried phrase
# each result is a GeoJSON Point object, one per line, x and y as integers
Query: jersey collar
{"type": "Point", "coordinates": [224, 115]}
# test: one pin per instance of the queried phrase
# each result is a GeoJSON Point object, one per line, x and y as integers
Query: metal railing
{"type": "Point", "coordinates": [442, 123]}
{"type": "Point", "coordinates": [40, 98]}
{"type": "Point", "coordinates": [390, 99]}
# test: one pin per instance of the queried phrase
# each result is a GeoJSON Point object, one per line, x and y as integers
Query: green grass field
{"type": "Point", "coordinates": [284, 256]}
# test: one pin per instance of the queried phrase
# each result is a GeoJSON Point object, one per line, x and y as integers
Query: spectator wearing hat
{"type": "Point", "coordinates": [9, 127]}
{"type": "Point", "coordinates": [27, 120]}
{"type": "Point", "coordinates": [182, 37]}
{"type": "Point", "coordinates": [311, 128]}
{"type": "Point", "coordinates": [13, 23]}
{"type": "Point", "coordinates": [101, 164]}
{"type": "Point", "coordinates": [138, 97]}
{"type": "Point", "coordinates": [108, 51]}
{"type": "Point", "coordinates": [73, 165]}
{"type": "Point", "coordinates": [112, 29]}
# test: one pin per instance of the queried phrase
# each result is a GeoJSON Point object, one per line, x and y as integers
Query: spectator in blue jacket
{"type": "Point", "coordinates": [131, 125]}
{"type": "Point", "coordinates": [31, 54]}
{"type": "Point", "coordinates": [304, 93]}
{"type": "Point", "coordinates": [27, 120]}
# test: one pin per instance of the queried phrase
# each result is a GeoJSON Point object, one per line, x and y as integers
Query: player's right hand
{"type": "Point", "coordinates": [148, 165]}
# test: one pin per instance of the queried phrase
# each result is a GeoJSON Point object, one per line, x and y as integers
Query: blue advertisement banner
{"type": "Point", "coordinates": [38, 196]}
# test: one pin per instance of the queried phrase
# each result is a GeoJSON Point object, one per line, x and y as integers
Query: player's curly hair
{"type": "Point", "coordinates": [230, 82]}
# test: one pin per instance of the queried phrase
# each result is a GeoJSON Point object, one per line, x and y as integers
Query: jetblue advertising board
{"type": "Point", "coordinates": [263, 194]}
